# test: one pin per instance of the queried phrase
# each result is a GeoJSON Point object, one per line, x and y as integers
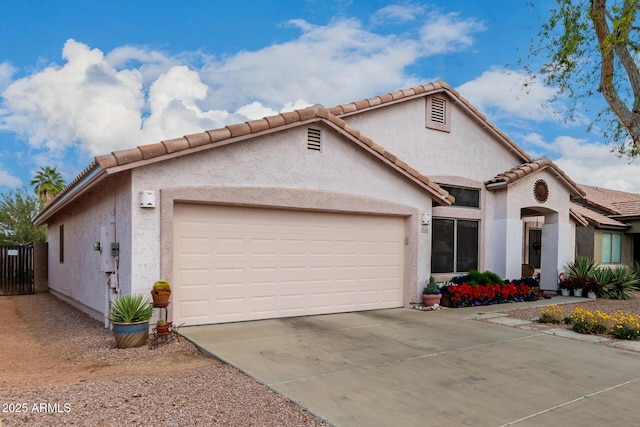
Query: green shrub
{"type": "Point", "coordinates": [130, 309]}
{"type": "Point", "coordinates": [486, 278]}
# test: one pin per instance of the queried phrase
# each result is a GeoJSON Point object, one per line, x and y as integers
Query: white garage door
{"type": "Point", "coordinates": [237, 263]}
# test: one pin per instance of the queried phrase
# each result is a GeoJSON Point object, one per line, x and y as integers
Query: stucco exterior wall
{"type": "Point", "coordinates": [467, 156]}
{"type": "Point", "coordinates": [279, 160]}
{"type": "Point", "coordinates": [79, 279]}
{"type": "Point", "coordinates": [468, 151]}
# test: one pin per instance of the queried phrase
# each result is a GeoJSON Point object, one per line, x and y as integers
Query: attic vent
{"type": "Point", "coordinates": [438, 114]}
{"type": "Point", "coordinates": [438, 111]}
{"type": "Point", "coordinates": [313, 139]}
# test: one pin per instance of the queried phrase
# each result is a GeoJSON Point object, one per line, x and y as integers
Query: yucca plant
{"type": "Point", "coordinates": [581, 268]}
{"type": "Point", "coordinates": [623, 281]}
{"type": "Point", "coordinates": [130, 309]}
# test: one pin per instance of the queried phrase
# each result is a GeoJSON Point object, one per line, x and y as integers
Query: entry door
{"type": "Point", "coordinates": [535, 247]}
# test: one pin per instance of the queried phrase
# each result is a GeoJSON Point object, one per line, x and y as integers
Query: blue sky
{"type": "Point", "coordinates": [82, 78]}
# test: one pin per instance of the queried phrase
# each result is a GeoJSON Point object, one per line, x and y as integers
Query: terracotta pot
{"type": "Point", "coordinates": [129, 335]}
{"type": "Point", "coordinates": [430, 299]}
{"type": "Point", "coordinates": [160, 298]}
{"type": "Point", "coordinates": [163, 330]}
{"type": "Point", "coordinates": [446, 301]}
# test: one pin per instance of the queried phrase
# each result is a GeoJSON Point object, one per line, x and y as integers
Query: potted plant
{"type": "Point", "coordinates": [160, 293]}
{"type": "Point", "coordinates": [129, 318]}
{"type": "Point", "coordinates": [594, 288]}
{"type": "Point", "coordinates": [163, 328]}
{"type": "Point", "coordinates": [431, 294]}
{"type": "Point", "coordinates": [566, 285]}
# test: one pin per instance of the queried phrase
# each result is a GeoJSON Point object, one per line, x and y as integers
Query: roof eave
{"type": "Point", "coordinates": [70, 194]}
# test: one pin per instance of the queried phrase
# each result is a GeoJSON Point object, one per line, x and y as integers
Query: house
{"type": "Point", "coordinates": [313, 211]}
{"type": "Point", "coordinates": [612, 232]}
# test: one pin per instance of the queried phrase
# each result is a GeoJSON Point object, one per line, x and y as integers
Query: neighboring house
{"type": "Point", "coordinates": [612, 234]}
{"type": "Point", "coordinates": [311, 211]}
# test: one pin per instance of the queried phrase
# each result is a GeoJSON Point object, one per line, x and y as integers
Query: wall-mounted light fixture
{"type": "Point", "coordinates": [96, 246]}
{"type": "Point", "coordinates": [147, 199]}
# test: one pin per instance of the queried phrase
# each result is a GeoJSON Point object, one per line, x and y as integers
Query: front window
{"type": "Point", "coordinates": [465, 197]}
{"type": "Point", "coordinates": [611, 248]}
{"type": "Point", "coordinates": [454, 246]}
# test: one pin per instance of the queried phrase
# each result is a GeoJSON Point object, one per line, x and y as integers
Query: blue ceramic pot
{"type": "Point", "coordinates": [130, 335]}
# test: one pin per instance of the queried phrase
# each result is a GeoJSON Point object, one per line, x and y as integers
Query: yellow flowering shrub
{"type": "Point", "coordinates": [589, 322]}
{"type": "Point", "coordinates": [551, 314]}
{"type": "Point", "coordinates": [625, 326]}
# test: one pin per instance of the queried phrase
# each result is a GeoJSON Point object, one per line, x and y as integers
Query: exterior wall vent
{"type": "Point", "coordinates": [437, 111]}
{"type": "Point", "coordinates": [313, 139]}
{"type": "Point", "coordinates": [438, 114]}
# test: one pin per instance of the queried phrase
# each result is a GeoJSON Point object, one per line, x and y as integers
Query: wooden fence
{"type": "Point", "coordinates": [16, 270]}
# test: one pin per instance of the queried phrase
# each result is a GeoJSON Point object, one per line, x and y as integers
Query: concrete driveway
{"type": "Point", "coordinates": [404, 367]}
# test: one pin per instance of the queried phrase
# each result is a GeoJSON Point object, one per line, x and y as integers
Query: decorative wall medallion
{"type": "Point", "coordinates": [541, 191]}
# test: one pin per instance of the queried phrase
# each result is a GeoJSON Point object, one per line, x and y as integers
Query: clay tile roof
{"type": "Point", "coordinates": [275, 121]}
{"type": "Point", "coordinates": [128, 156]}
{"type": "Point", "coordinates": [630, 208]}
{"type": "Point", "coordinates": [290, 117]}
{"type": "Point", "coordinates": [258, 125]}
{"type": "Point", "coordinates": [374, 101]}
{"type": "Point", "coordinates": [617, 203]}
{"type": "Point", "coordinates": [512, 175]}
{"type": "Point", "coordinates": [106, 161]}
{"type": "Point", "coordinates": [152, 150]}
{"type": "Point", "coordinates": [219, 134]}
{"type": "Point", "coordinates": [597, 218]}
{"type": "Point", "coordinates": [239, 129]}
{"type": "Point", "coordinates": [573, 213]}
{"type": "Point", "coordinates": [179, 144]}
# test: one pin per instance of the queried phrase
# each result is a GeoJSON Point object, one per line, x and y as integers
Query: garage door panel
{"type": "Point", "coordinates": [248, 263]}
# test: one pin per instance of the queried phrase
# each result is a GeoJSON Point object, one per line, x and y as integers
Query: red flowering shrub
{"type": "Point", "coordinates": [466, 295]}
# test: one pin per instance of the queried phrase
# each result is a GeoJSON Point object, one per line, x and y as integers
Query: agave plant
{"type": "Point", "coordinates": [623, 282]}
{"type": "Point", "coordinates": [581, 268]}
{"type": "Point", "coordinates": [130, 309]}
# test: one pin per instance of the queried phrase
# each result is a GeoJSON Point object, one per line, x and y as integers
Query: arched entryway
{"type": "Point", "coordinates": [546, 242]}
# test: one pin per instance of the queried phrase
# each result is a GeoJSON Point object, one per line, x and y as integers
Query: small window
{"type": "Point", "coordinates": [611, 248]}
{"type": "Point", "coordinates": [313, 139]}
{"type": "Point", "coordinates": [438, 114]}
{"type": "Point", "coordinates": [61, 246]}
{"type": "Point", "coordinates": [465, 197]}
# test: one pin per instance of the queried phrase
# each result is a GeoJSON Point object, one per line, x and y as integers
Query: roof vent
{"type": "Point", "coordinates": [438, 114]}
{"type": "Point", "coordinates": [438, 111]}
{"type": "Point", "coordinates": [313, 139]}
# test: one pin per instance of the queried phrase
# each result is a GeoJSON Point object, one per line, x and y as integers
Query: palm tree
{"type": "Point", "coordinates": [48, 183]}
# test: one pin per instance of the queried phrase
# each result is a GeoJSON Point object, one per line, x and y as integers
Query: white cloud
{"type": "Point", "coordinates": [591, 163]}
{"type": "Point", "coordinates": [396, 13]}
{"type": "Point", "coordinates": [448, 33]}
{"type": "Point", "coordinates": [96, 102]}
{"type": "Point", "coordinates": [6, 71]}
{"type": "Point", "coordinates": [8, 180]}
{"type": "Point", "coordinates": [85, 100]}
{"type": "Point", "coordinates": [501, 93]}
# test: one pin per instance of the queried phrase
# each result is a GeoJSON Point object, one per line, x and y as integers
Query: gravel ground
{"type": "Point", "coordinates": [59, 367]}
{"type": "Point", "coordinates": [605, 305]}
